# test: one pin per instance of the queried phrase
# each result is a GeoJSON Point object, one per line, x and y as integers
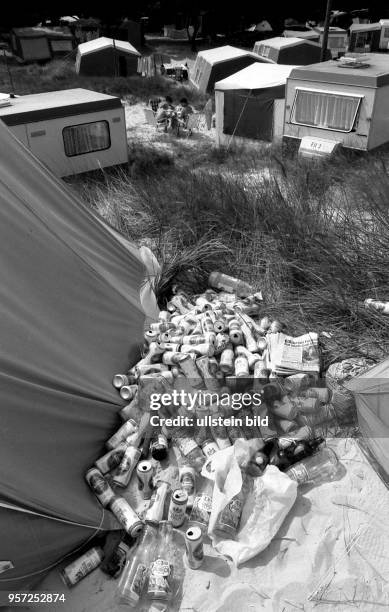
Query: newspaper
{"type": "Point", "coordinates": [288, 355]}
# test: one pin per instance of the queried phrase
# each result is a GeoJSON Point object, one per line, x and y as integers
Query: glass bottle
{"type": "Point", "coordinates": [189, 448]}
{"type": "Point", "coordinates": [223, 282]}
{"type": "Point", "coordinates": [133, 578]}
{"type": "Point", "coordinates": [202, 506]}
{"type": "Point", "coordinates": [161, 570]}
{"type": "Point", "coordinates": [320, 467]}
{"type": "Point", "coordinates": [227, 522]}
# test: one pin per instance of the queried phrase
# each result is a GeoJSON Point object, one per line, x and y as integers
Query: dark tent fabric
{"type": "Point", "coordinates": [70, 318]}
{"type": "Point", "coordinates": [250, 114]}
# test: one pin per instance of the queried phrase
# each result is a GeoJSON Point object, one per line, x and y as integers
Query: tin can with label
{"type": "Point", "coordinates": [160, 576]}
{"type": "Point", "coordinates": [125, 430]}
{"type": "Point", "coordinates": [144, 473]}
{"type": "Point", "coordinates": [126, 516]}
{"type": "Point", "coordinates": [194, 547]}
{"type": "Point", "coordinates": [126, 466]}
{"type": "Point", "coordinates": [111, 460]}
{"type": "Point", "coordinates": [159, 446]}
{"type": "Point", "coordinates": [128, 392]}
{"type": "Point", "coordinates": [209, 447]}
{"type": "Point", "coordinates": [99, 486]}
{"type": "Point", "coordinates": [82, 566]}
{"type": "Point", "coordinates": [177, 508]}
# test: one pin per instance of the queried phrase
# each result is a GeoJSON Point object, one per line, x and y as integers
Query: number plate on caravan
{"type": "Point", "coordinates": [317, 147]}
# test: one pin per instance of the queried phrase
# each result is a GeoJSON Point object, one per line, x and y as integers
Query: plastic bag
{"type": "Point", "coordinates": [265, 508]}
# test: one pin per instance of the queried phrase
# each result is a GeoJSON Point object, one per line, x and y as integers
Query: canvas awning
{"type": "Point", "coordinates": [256, 76]}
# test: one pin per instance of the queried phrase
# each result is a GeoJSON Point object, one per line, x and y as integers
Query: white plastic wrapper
{"type": "Point", "coordinates": [264, 510]}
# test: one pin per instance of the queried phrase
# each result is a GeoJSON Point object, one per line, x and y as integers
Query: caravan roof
{"type": "Point", "coordinates": [364, 27]}
{"type": "Point", "coordinates": [105, 43]}
{"type": "Point", "coordinates": [256, 76]}
{"type": "Point", "coordinates": [280, 42]}
{"type": "Point", "coordinates": [222, 54]}
{"type": "Point", "coordinates": [375, 74]}
{"type": "Point", "coordinates": [54, 104]}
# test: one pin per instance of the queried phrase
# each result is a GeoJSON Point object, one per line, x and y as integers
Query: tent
{"type": "Point", "coordinates": [106, 57]}
{"type": "Point", "coordinates": [250, 104]}
{"type": "Point", "coordinates": [281, 50]}
{"type": "Point", "coordinates": [216, 64]}
{"type": "Point", "coordinates": [30, 44]}
{"type": "Point", "coordinates": [71, 316]}
{"type": "Point", "coordinates": [369, 36]}
{"type": "Point", "coordinates": [371, 392]}
{"type": "Point", "coordinates": [342, 101]}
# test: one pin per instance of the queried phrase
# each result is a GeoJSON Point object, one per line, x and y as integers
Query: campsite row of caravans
{"type": "Point", "coordinates": [40, 44]}
{"type": "Point", "coordinates": [337, 102]}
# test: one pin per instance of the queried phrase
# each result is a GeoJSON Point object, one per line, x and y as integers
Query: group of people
{"type": "Point", "coordinates": [173, 117]}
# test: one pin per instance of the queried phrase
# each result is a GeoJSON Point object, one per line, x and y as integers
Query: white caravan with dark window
{"type": "Point", "coordinates": [339, 101]}
{"type": "Point", "coordinates": [70, 131]}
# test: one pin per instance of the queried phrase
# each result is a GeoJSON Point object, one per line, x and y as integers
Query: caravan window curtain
{"type": "Point", "coordinates": [325, 110]}
{"type": "Point", "coordinates": [86, 138]}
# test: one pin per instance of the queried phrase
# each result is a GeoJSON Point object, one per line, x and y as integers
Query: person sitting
{"type": "Point", "coordinates": [163, 115]}
{"type": "Point", "coordinates": [169, 101]}
{"type": "Point", "coordinates": [183, 110]}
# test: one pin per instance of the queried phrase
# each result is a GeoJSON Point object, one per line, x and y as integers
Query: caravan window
{"type": "Point", "coordinates": [265, 50]}
{"type": "Point", "coordinates": [386, 32]}
{"type": "Point", "coordinates": [86, 138]}
{"type": "Point", "coordinates": [322, 109]}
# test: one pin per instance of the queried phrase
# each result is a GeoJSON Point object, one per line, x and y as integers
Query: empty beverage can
{"type": "Point", "coordinates": [144, 473]}
{"type": "Point", "coordinates": [177, 508]}
{"type": "Point", "coordinates": [81, 567]}
{"type": "Point", "coordinates": [99, 486]}
{"type": "Point", "coordinates": [111, 460]}
{"type": "Point", "coordinates": [126, 516]}
{"type": "Point", "coordinates": [194, 547]}
{"type": "Point", "coordinates": [125, 430]}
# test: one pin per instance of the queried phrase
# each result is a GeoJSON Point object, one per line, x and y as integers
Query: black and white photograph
{"type": "Point", "coordinates": [194, 306]}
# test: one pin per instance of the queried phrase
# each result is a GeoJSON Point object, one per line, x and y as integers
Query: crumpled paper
{"type": "Point", "coordinates": [267, 503]}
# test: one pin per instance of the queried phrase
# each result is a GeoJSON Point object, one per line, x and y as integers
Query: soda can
{"type": "Point", "coordinates": [194, 547]}
{"type": "Point", "coordinates": [159, 447]}
{"type": "Point", "coordinates": [126, 516]}
{"type": "Point", "coordinates": [99, 486]}
{"type": "Point", "coordinates": [126, 466]}
{"type": "Point", "coordinates": [111, 460]}
{"type": "Point", "coordinates": [125, 430]}
{"type": "Point", "coordinates": [119, 380]}
{"type": "Point", "coordinates": [128, 392]}
{"type": "Point", "coordinates": [144, 473]}
{"type": "Point", "coordinates": [177, 508]}
{"type": "Point", "coordinates": [81, 567]}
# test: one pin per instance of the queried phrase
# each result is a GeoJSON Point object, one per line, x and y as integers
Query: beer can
{"type": "Point", "coordinates": [128, 392]}
{"type": "Point", "coordinates": [177, 508]}
{"type": "Point", "coordinates": [119, 380]}
{"type": "Point", "coordinates": [111, 460]}
{"type": "Point", "coordinates": [222, 342]}
{"type": "Point", "coordinates": [187, 478]}
{"type": "Point", "coordinates": [276, 327]}
{"type": "Point", "coordinates": [241, 366]}
{"type": "Point", "coordinates": [307, 405]}
{"type": "Point", "coordinates": [99, 486]}
{"type": "Point", "coordinates": [220, 325]}
{"type": "Point", "coordinates": [209, 448]}
{"type": "Point", "coordinates": [164, 316]}
{"type": "Point", "coordinates": [125, 430]}
{"type": "Point", "coordinates": [81, 567]}
{"type": "Point", "coordinates": [144, 473]}
{"type": "Point", "coordinates": [126, 466]}
{"type": "Point", "coordinates": [159, 446]}
{"type": "Point", "coordinates": [194, 547]}
{"type": "Point", "coordinates": [126, 516]}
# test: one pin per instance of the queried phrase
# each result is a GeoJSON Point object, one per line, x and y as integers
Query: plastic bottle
{"type": "Point", "coordinates": [221, 281]}
{"type": "Point", "coordinates": [133, 578]}
{"type": "Point", "coordinates": [321, 467]}
{"type": "Point", "coordinates": [161, 569]}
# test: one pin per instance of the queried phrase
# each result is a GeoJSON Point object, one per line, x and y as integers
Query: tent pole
{"type": "Point", "coordinates": [239, 118]}
{"type": "Point", "coordinates": [325, 31]}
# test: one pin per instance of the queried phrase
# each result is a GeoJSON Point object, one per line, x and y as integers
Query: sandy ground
{"type": "Point", "coordinates": [140, 132]}
{"type": "Point", "coordinates": [330, 555]}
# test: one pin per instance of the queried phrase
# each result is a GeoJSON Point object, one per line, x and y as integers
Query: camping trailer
{"type": "Point", "coordinates": [337, 40]}
{"type": "Point", "coordinates": [107, 57]}
{"type": "Point", "coordinates": [71, 131]}
{"type": "Point", "coordinates": [301, 31]}
{"type": "Point", "coordinates": [289, 51]}
{"type": "Point", "coordinates": [340, 102]}
{"type": "Point", "coordinates": [219, 63]}
{"type": "Point", "coordinates": [30, 44]}
{"type": "Point", "coordinates": [250, 104]}
{"type": "Point", "coordinates": [369, 37]}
